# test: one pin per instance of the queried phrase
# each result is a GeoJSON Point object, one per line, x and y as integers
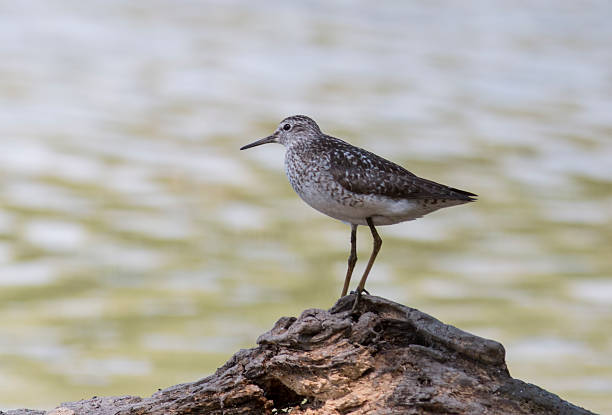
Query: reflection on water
{"type": "Point", "coordinates": [139, 248]}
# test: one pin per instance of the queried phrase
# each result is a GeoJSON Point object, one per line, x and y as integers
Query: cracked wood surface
{"type": "Point", "coordinates": [387, 359]}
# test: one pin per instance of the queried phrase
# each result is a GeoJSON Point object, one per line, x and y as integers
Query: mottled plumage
{"type": "Point", "coordinates": [354, 185]}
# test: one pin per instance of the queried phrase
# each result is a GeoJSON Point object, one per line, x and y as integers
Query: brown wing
{"type": "Point", "coordinates": [362, 172]}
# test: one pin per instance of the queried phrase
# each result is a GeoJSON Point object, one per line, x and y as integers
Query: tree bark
{"type": "Point", "coordinates": [384, 359]}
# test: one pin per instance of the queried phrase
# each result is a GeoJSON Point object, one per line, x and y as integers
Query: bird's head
{"type": "Point", "coordinates": [290, 130]}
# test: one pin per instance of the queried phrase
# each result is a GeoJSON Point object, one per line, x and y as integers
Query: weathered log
{"type": "Point", "coordinates": [385, 359]}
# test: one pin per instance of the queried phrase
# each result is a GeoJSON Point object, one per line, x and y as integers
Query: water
{"type": "Point", "coordinates": [139, 248]}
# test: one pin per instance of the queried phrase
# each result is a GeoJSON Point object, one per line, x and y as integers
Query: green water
{"type": "Point", "coordinates": [139, 248]}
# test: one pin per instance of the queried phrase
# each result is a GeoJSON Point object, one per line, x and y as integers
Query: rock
{"type": "Point", "coordinates": [385, 359]}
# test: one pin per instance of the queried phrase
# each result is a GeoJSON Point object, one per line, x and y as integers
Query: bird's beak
{"type": "Point", "coordinates": [270, 139]}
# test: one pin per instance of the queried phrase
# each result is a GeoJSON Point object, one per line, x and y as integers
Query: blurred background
{"type": "Point", "coordinates": [139, 248]}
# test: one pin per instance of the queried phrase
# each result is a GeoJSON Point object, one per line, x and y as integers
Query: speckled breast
{"type": "Point", "coordinates": [309, 176]}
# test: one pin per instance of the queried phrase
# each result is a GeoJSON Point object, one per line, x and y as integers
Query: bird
{"type": "Point", "coordinates": [355, 186]}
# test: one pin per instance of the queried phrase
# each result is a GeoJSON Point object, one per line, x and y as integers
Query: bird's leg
{"type": "Point", "coordinates": [375, 249]}
{"type": "Point", "coordinates": [352, 260]}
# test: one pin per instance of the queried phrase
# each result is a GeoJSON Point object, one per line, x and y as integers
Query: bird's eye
{"type": "Point", "coordinates": [287, 127]}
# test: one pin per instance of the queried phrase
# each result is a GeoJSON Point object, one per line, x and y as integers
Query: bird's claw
{"type": "Point", "coordinates": [357, 298]}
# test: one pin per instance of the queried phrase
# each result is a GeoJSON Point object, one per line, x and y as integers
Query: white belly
{"type": "Point", "coordinates": [356, 208]}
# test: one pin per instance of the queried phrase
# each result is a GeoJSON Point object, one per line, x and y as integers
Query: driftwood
{"type": "Point", "coordinates": [386, 359]}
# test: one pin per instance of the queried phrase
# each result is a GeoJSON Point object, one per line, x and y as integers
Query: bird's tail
{"type": "Point", "coordinates": [467, 196]}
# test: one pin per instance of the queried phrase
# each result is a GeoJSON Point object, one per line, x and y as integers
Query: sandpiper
{"type": "Point", "coordinates": [355, 186]}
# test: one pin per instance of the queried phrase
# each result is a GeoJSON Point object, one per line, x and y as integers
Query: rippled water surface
{"type": "Point", "coordinates": [139, 248]}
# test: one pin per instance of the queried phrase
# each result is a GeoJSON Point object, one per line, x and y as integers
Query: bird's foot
{"type": "Point", "coordinates": [357, 298]}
